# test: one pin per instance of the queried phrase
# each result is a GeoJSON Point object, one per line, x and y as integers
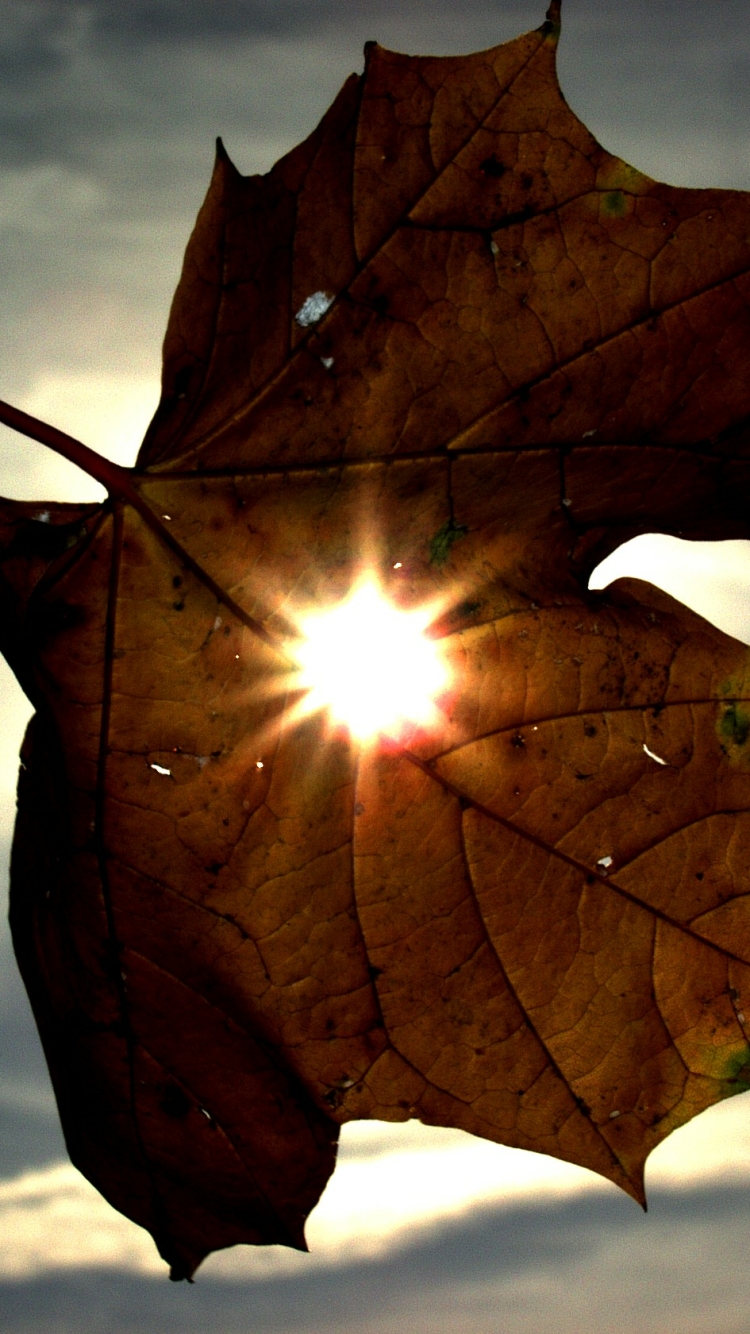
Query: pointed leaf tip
{"type": "Point", "coordinates": [551, 25]}
{"type": "Point", "coordinates": [222, 156]}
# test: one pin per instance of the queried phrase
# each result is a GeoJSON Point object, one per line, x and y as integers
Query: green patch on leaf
{"type": "Point", "coordinates": [614, 204]}
{"type": "Point", "coordinates": [440, 546]}
{"type": "Point", "coordinates": [736, 1076]}
{"type": "Point", "coordinates": [735, 725]}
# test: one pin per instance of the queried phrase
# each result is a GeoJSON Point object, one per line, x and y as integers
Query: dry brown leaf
{"type": "Point", "coordinates": [450, 332]}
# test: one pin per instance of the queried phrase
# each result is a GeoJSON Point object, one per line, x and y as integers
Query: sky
{"type": "Point", "coordinates": [108, 114]}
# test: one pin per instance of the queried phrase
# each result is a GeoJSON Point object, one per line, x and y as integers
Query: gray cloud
{"type": "Point", "coordinates": [30, 1134]}
{"type": "Point", "coordinates": [108, 113]}
{"type": "Point", "coordinates": [76, 75]}
{"type": "Point", "coordinates": [592, 1266]}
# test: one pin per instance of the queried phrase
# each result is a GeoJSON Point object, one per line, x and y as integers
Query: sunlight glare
{"type": "Point", "coordinates": [370, 663]}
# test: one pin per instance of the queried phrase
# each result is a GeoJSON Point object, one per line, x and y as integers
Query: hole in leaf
{"type": "Point", "coordinates": [712, 578]}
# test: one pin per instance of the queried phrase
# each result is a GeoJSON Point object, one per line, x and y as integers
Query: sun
{"type": "Point", "coordinates": [370, 664]}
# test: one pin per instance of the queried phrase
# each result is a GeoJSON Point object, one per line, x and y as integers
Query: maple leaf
{"type": "Point", "coordinates": [451, 339]}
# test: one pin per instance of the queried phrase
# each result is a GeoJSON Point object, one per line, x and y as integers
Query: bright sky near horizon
{"type": "Point", "coordinates": [109, 112]}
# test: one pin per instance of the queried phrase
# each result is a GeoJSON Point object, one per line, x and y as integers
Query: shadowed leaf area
{"type": "Point", "coordinates": [449, 330]}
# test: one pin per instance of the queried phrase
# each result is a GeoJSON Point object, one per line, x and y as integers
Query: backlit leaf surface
{"type": "Point", "coordinates": [448, 338]}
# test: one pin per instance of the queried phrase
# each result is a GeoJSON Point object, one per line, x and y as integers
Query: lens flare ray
{"type": "Point", "coordinates": [370, 664]}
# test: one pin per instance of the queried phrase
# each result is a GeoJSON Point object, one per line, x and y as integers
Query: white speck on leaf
{"type": "Point", "coordinates": [327, 362]}
{"type": "Point", "coordinates": [168, 517]}
{"type": "Point", "coordinates": [217, 623]}
{"type": "Point", "coordinates": [159, 769]}
{"type": "Point", "coordinates": [587, 435]}
{"type": "Point", "coordinates": [313, 309]}
{"type": "Point", "coordinates": [652, 756]}
{"type": "Point", "coordinates": [42, 516]}
{"type": "Point", "coordinates": [612, 1115]}
{"type": "Point", "coordinates": [259, 764]}
{"type": "Point", "coordinates": [202, 761]}
{"type": "Point", "coordinates": [604, 863]}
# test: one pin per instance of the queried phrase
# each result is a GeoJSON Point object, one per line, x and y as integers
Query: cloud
{"type": "Point", "coordinates": [592, 1265]}
{"type": "Point", "coordinates": [30, 1133]}
{"type": "Point", "coordinates": [108, 115]}
{"type": "Point", "coordinates": [712, 577]}
{"type": "Point", "coordinates": [392, 1184]}
{"type": "Point", "coordinates": [40, 36]}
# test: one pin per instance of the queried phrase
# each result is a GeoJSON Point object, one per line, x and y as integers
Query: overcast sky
{"type": "Point", "coordinates": [108, 114]}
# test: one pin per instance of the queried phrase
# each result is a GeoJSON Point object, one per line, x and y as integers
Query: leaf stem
{"type": "Point", "coordinates": [118, 482]}
{"type": "Point", "coordinates": [115, 479]}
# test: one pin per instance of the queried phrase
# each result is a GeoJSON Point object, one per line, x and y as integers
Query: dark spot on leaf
{"type": "Point", "coordinates": [175, 1102]}
{"type": "Point", "coordinates": [177, 581]}
{"type": "Point", "coordinates": [517, 740]}
{"type": "Point", "coordinates": [182, 381]}
{"type": "Point", "coordinates": [492, 167]}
